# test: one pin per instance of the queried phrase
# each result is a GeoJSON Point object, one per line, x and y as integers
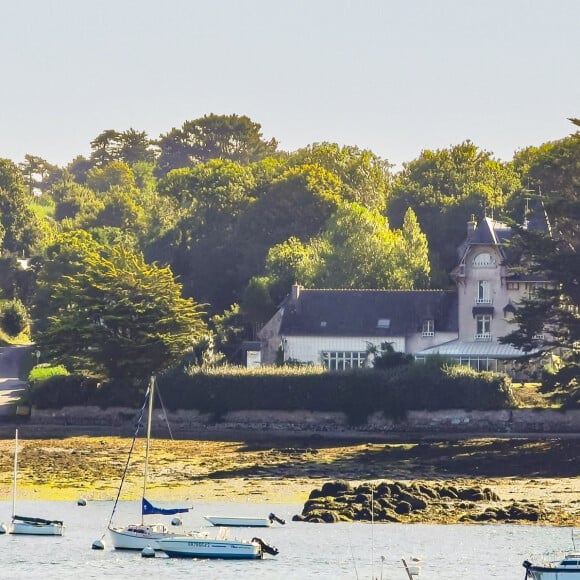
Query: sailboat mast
{"type": "Point", "coordinates": [149, 416]}
{"type": "Point", "coordinates": [15, 475]}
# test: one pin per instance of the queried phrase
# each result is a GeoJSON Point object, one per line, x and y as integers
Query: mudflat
{"type": "Point", "coordinates": [285, 470]}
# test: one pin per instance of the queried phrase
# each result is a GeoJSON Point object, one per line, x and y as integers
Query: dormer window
{"type": "Point", "coordinates": [323, 324]}
{"type": "Point", "coordinates": [428, 327]}
{"type": "Point", "coordinates": [484, 260]}
{"type": "Point", "coordinates": [384, 323]}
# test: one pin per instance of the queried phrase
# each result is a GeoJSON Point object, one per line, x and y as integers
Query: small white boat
{"type": "Point", "coordinates": [565, 568]}
{"type": "Point", "coordinates": [24, 525]}
{"type": "Point", "coordinates": [220, 547]}
{"type": "Point", "coordinates": [556, 566]}
{"type": "Point", "coordinates": [244, 521]}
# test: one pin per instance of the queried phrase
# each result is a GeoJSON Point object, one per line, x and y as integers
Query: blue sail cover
{"type": "Point", "coordinates": [148, 509]}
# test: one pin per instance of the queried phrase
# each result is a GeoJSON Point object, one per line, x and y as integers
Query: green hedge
{"type": "Point", "coordinates": [358, 393]}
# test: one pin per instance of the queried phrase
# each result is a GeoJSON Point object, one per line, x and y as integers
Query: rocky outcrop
{"type": "Point", "coordinates": [414, 502]}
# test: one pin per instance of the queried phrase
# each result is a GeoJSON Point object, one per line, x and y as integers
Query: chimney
{"type": "Point", "coordinates": [295, 291]}
{"type": "Point", "coordinates": [471, 225]}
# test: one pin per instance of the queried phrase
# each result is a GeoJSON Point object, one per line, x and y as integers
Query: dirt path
{"type": "Point", "coordinates": [10, 385]}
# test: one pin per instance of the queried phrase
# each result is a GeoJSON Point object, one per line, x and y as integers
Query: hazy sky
{"type": "Point", "coordinates": [393, 76]}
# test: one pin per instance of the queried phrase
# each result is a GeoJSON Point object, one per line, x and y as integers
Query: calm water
{"type": "Point", "coordinates": [317, 551]}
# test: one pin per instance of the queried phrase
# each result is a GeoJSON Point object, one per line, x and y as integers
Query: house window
{"type": "Point", "coordinates": [340, 361]}
{"type": "Point", "coordinates": [483, 292]}
{"type": "Point", "coordinates": [513, 285]}
{"type": "Point", "coordinates": [384, 323]}
{"type": "Point", "coordinates": [428, 328]}
{"type": "Point", "coordinates": [484, 260]}
{"type": "Point", "coordinates": [483, 327]}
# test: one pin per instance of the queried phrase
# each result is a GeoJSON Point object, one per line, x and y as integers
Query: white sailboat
{"type": "Point", "coordinates": [157, 536]}
{"type": "Point", "coordinates": [142, 535]}
{"type": "Point", "coordinates": [27, 525]}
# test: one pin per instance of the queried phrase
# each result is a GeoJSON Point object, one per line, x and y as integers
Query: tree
{"type": "Point", "coordinates": [365, 177]}
{"type": "Point", "coordinates": [115, 173]}
{"type": "Point", "coordinates": [120, 318]}
{"type": "Point", "coordinates": [361, 251]}
{"type": "Point", "coordinates": [232, 137]}
{"type": "Point", "coordinates": [445, 188]}
{"type": "Point", "coordinates": [416, 250]}
{"type": "Point", "coordinates": [19, 224]}
{"type": "Point", "coordinates": [548, 322]}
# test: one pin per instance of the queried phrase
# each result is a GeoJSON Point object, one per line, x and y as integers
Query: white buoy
{"type": "Point", "coordinates": [3, 529]}
{"type": "Point", "coordinates": [98, 545]}
{"type": "Point", "coordinates": [148, 552]}
{"type": "Point", "coordinates": [82, 501]}
{"type": "Point", "coordinates": [176, 522]}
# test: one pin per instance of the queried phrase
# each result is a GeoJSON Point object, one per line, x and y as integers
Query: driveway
{"type": "Point", "coordinates": [11, 386]}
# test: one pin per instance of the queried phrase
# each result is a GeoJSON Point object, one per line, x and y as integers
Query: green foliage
{"type": "Point", "coordinates": [14, 318]}
{"type": "Point", "coordinates": [20, 229]}
{"type": "Point", "coordinates": [119, 317]}
{"type": "Point", "coordinates": [358, 393]}
{"type": "Point", "coordinates": [44, 371]}
{"type": "Point", "coordinates": [365, 178]}
{"type": "Point", "coordinates": [232, 137]}
{"type": "Point", "coordinates": [387, 357]}
{"type": "Point", "coordinates": [359, 250]}
{"type": "Point", "coordinates": [115, 173]}
{"type": "Point", "coordinates": [445, 188]}
{"type": "Point", "coordinates": [549, 322]}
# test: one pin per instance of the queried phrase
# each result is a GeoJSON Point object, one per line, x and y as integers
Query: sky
{"type": "Point", "coordinates": [393, 76]}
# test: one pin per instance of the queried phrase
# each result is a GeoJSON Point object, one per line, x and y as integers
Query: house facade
{"type": "Point", "coordinates": [336, 328]}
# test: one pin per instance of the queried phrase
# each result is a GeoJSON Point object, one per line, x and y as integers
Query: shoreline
{"type": "Point", "coordinates": [283, 470]}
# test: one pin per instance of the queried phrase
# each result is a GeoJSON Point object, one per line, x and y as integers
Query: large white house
{"type": "Point", "coordinates": [335, 328]}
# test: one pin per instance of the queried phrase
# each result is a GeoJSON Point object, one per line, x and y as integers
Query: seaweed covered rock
{"type": "Point", "coordinates": [413, 502]}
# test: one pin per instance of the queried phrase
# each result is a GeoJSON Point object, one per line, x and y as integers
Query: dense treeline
{"type": "Point", "coordinates": [220, 217]}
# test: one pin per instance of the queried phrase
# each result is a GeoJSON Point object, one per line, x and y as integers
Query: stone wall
{"type": "Point", "coordinates": [515, 421]}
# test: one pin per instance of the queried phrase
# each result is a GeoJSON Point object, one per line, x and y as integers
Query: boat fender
{"type": "Point", "coordinates": [275, 518]}
{"type": "Point", "coordinates": [272, 550]}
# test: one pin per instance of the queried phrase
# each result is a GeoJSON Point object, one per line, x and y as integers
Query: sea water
{"type": "Point", "coordinates": [356, 551]}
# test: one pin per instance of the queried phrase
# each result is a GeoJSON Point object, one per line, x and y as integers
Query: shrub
{"type": "Point", "coordinates": [14, 319]}
{"type": "Point", "coordinates": [44, 371]}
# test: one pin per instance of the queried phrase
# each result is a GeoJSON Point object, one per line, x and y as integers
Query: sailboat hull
{"type": "Point", "coordinates": [183, 547]}
{"type": "Point", "coordinates": [31, 529]}
{"type": "Point", "coordinates": [138, 537]}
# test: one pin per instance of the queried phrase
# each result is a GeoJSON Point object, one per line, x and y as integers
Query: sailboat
{"type": "Point", "coordinates": [28, 525]}
{"type": "Point", "coordinates": [157, 536]}
{"type": "Point", "coordinates": [142, 535]}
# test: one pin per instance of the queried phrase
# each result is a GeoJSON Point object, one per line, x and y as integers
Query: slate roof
{"type": "Point", "coordinates": [490, 232]}
{"type": "Point", "coordinates": [357, 312]}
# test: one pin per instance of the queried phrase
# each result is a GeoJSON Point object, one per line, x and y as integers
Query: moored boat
{"type": "Point", "coordinates": [23, 525]}
{"type": "Point", "coordinates": [565, 568]}
{"type": "Point", "coordinates": [219, 547]}
{"type": "Point", "coordinates": [244, 521]}
{"type": "Point", "coordinates": [139, 536]}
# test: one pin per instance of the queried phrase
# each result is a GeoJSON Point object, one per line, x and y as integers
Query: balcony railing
{"type": "Point", "coordinates": [483, 337]}
{"type": "Point", "coordinates": [483, 301]}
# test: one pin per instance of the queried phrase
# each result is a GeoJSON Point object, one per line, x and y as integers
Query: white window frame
{"type": "Point", "coordinates": [483, 327]}
{"type": "Point", "coordinates": [343, 360]}
{"type": "Point", "coordinates": [483, 260]}
{"type": "Point", "coordinates": [428, 327]}
{"type": "Point", "coordinates": [483, 292]}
